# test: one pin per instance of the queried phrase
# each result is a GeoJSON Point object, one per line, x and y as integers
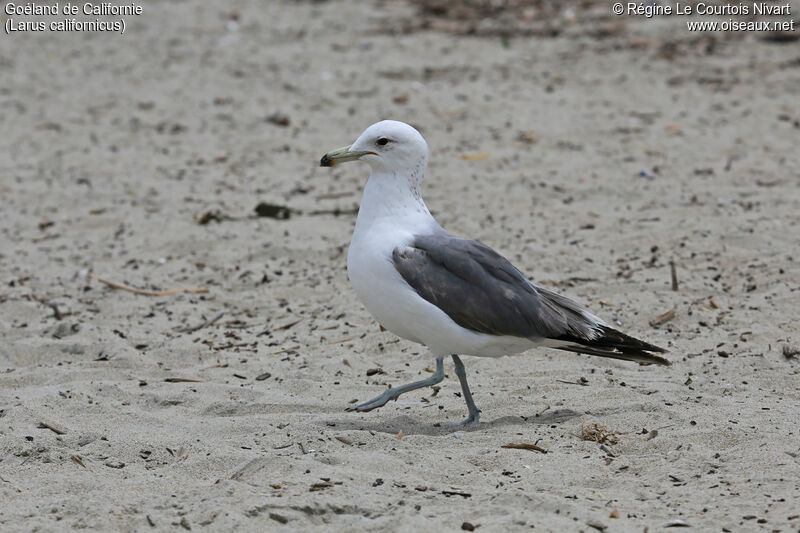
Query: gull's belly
{"type": "Point", "coordinates": [398, 308]}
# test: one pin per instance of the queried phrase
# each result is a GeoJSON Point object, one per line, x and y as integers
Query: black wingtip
{"type": "Point", "coordinates": [617, 345]}
{"type": "Point", "coordinates": [641, 357]}
{"type": "Point", "coordinates": [326, 161]}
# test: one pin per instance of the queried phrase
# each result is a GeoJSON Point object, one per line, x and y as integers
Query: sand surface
{"type": "Point", "coordinates": [591, 151]}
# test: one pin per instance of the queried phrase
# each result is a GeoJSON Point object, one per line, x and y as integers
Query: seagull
{"type": "Point", "coordinates": [456, 296]}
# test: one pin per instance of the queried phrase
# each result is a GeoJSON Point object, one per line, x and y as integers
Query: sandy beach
{"type": "Point", "coordinates": [591, 150]}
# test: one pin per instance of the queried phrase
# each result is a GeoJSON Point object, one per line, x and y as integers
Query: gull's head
{"type": "Point", "coordinates": [388, 146]}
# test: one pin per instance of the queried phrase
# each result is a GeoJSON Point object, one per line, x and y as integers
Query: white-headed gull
{"type": "Point", "coordinates": [456, 296]}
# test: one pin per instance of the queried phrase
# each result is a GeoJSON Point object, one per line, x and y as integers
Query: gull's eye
{"type": "Point", "coordinates": [383, 141]}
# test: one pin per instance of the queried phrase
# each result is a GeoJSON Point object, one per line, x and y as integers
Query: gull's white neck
{"type": "Point", "coordinates": [394, 198]}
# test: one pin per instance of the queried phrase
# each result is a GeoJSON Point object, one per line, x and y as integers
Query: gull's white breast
{"type": "Point", "coordinates": [398, 307]}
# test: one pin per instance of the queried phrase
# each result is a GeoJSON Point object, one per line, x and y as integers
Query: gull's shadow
{"type": "Point", "coordinates": [557, 416]}
{"type": "Point", "coordinates": [429, 426]}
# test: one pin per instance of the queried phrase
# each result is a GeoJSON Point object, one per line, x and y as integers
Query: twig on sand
{"type": "Point", "coordinates": [662, 318]}
{"type": "Point", "coordinates": [583, 382]}
{"type": "Point", "coordinates": [192, 329]}
{"type": "Point", "coordinates": [147, 292]}
{"type": "Point", "coordinates": [524, 446]}
{"type": "Point", "coordinates": [218, 365]}
{"type": "Point", "coordinates": [673, 275]}
{"type": "Point", "coordinates": [449, 493]}
{"type": "Point", "coordinates": [52, 427]}
{"type": "Point", "coordinates": [284, 350]}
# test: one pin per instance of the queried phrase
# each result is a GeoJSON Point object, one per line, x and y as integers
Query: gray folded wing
{"type": "Point", "coordinates": [483, 292]}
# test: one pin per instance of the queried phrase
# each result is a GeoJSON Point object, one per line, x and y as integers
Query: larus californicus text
{"type": "Point", "coordinates": [456, 296]}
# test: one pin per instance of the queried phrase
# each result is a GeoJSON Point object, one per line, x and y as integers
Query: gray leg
{"type": "Point", "coordinates": [474, 412]}
{"type": "Point", "coordinates": [394, 393]}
